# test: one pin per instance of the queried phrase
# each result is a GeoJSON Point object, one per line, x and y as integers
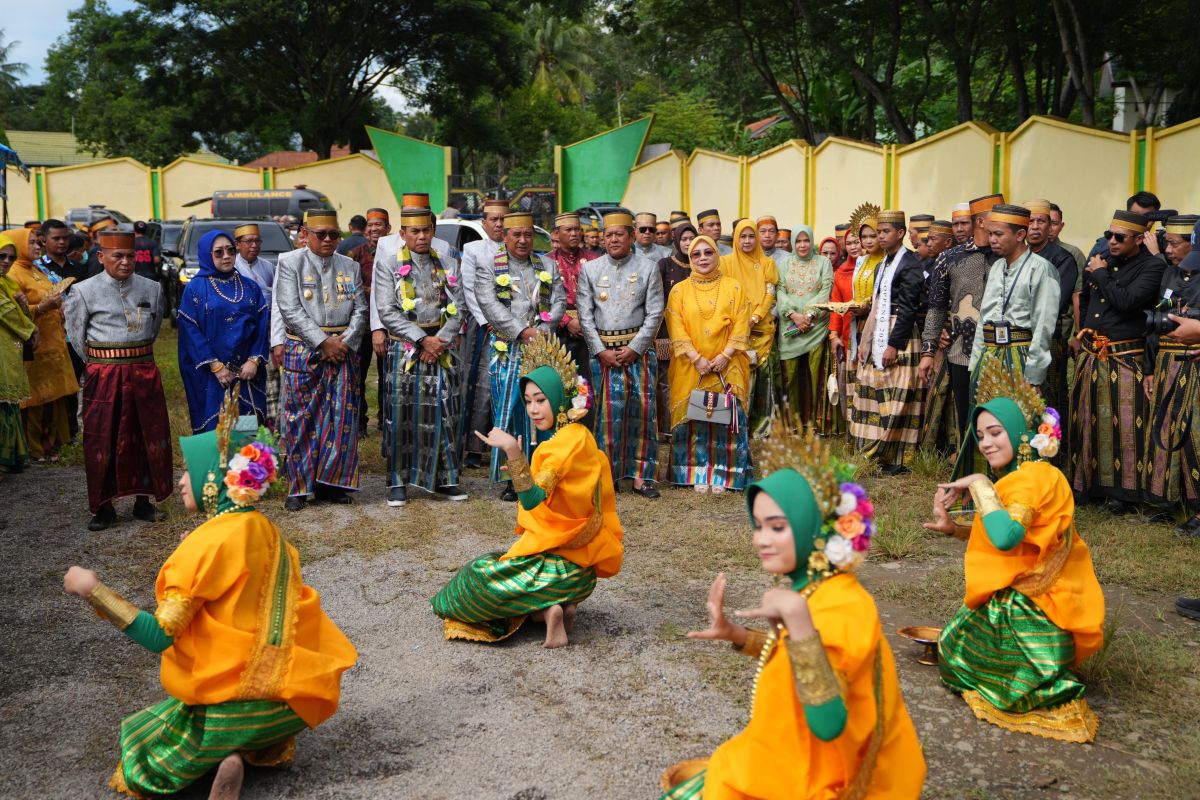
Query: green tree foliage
{"type": "Point", "coordinates": [688, 121]}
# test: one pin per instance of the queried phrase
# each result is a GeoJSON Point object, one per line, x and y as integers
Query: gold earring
{"type": "Point", "coordinates": [210, 493]}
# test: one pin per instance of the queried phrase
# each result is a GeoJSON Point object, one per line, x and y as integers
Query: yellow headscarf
{"type": "Point", "coordinates": [8, 286]}
{"type": "Point", "coordinates": [745, 261]}
{"type": "Point", "coordinates": [711, 243]}
{"type": "Point", "coordinates": [758, 275]}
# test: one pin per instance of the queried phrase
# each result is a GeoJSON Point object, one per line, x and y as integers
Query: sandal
{"type": "Point", "coordinates": [701, 488]}
{"type": "Point", "coordinates": [718, 489]}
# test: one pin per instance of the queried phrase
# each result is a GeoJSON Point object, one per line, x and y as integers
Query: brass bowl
{"type": "Point", "coordinates": [683, 771]}
{"type": "Point", "coordinates": [925, 635]}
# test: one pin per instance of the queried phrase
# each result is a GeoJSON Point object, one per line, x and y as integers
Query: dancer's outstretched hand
{"type": "Point", "coordinates": [719, 626]}
{"type": "Point", "coordinates": [501, 440]}
{"type": "Point", "coordinates": [80, 581]}
{"type": "Point", "coordinates": [941, 513]}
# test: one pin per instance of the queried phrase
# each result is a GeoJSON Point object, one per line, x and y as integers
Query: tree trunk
{"type": "Point", "coordinates": [962, 74]}
{"type": "Point", "coordinates": [1012, 45]}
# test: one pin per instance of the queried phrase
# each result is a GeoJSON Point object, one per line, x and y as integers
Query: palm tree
{"type": "Point", "coordinates": [560, 60]}
{"type": "Point", "coordinates": [10, 71]}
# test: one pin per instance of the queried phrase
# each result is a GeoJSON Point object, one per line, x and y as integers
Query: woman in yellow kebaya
{"type": "Point", "coordinates": [569, 533]}
{"type": "Point", "coordinates": [759, 276]}
{"type": "Point", "coordinates": [249, 659]}
{"type": "Point", "coordinates": [827, 719]}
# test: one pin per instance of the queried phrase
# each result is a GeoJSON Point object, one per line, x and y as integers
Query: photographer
{"type": "Point", "coordinates": [1173, 444]}
{"type": "Point", "coordinates": [1108, 430]}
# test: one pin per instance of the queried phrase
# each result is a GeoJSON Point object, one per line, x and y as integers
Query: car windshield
{"type": "Point", "coordinates": [117, 215]}
{"type": "Point", "coordinates": [274, 239]}
{"type": "Point", "coordinates": [170, 236]}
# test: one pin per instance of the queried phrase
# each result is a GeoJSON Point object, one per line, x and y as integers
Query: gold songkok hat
{"type": "Point", "coordinates": [982, 205]}
{"type": "Point", "coordinates": [1010, 214]}
{"type": "Point", "coordinates": [32, 223]}
{"type": "Point", "coordinates": [618, 218]}
{"type": "Point", "coordinates": [1181, 224]}
{"type": "Point", "coordinates": [415, 200]}
{"type": "Point", "coordinates": [960, 211]}
{"type": "Point", "coordinates": [767, 218]}
{"type": "Point", "coordinates": [415, 216]}
{"type": "Point", "coordinates": [495, 204]}
{"type": "Point", "coordinates": [704, 216]}
{"type": "Point", "coordinates": [320, 216]}
{"type": "Point", "coordinates": [1038, 206]}
{"type": "Point", "coordinates": [866, 214]}
{"type": "Point", "coordinates": [245, 230]}
{"type": "Point", "coordinates": [663, 226]}
{"type": "Point", "coordinates": [113, 239]}
{"type": "Point", "coordinates": [518, 219]}
{"type": "Point", "coordinates": [1128, 220]}
{"type": "Point", "coordinates": [893, 216]}
{"type": "Point", "coordinates": [645, 218]}
{"type": "Point", "coordinates": [785, 234]}
{"type": "Point", "coordinates": [841, 227]}
{"type": "Point", "coordinates": [101, 224]}
{"type": "Point", "coordinates": [941, 226]}
{"type": "Point", "coordinates": [566, 219]}
{"type": "Point", "coordinates": [378, 213]}
{"type": "Point", "coordinates": [921, 221]}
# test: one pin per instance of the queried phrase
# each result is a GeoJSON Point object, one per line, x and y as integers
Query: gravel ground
{"type": "Point", "coordinates": [425, 718]}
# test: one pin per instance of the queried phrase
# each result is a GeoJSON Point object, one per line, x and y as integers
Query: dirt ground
{"type": "Point", "coordinates": [425, 718]}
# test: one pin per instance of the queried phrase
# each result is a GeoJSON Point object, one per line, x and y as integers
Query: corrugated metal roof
{"type": "Point", "coordinates": [283, 159]}
{"type": "Point", "coordinates": [61, 149]}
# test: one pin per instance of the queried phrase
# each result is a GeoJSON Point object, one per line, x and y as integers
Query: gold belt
{"type": "Point", "coordinates": [121, 353]}
{"type": "Point", "coordinates": [1102, 347]}
{"type": "Point", "coordinates": [1015, 335]}
{"type": "Point", "coordinates": [330, 329]}
{"type": "Point", "coordinates": [614, 339]}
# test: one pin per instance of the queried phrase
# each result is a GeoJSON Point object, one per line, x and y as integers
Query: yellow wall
{"type": "Point", "coordinates": [186, 180]}
{"type": "Point", "coordinates": [845, 174]}
{"type": "Point", "coordinates": [777, 181]}
{"type": "Point", "coordinates": [1175, 160]}
{"type": "Point", "coordinates": [954, 166]}
{"type": "Point", "coordinates": [120, 183]}
{"type": "Point", "coordinates": [656, 185]}
{"type": "Point", "coordinates": [21, 202]}
{"type": "Point", "coordinates": [352, 183]}
{"type": "Point", "coordinates": [714, 180]}
{"type": "Point", "coordinates": [1084, 171]}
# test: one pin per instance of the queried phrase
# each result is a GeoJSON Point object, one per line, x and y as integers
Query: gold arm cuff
{"type": "Point", "coordinates": [111, 606]}
{"type": "Point", "coordinates": [755, 641]}
{"type": "Point", "coordinates": [816, 682]}
{"type": "Point", "coordinates": [518, 473]}
{"type": "Point", "coordinates": [175, 612]}
{"type": "Point", "coordinates": [985, 497]}
{"type": "Point", "coordinates": [547, 479]}
{"type": "Point", "coordinates": [1021, 514]}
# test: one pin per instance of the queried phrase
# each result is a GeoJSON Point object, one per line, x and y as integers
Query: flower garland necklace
{"type": "Point", "coordinates": [504, 293]}
{"type": "Point", "coordinates": [442, 283]}
{"type": "Point", "coordinates": [239, 289]}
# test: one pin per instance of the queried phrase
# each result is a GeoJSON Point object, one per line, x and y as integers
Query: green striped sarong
{"type": "Point", "coordinates": [169, 745]}
{"type": "Point", "coordinates": [1010, 654]}
{"type": "Point", "coordinates": [692, 788]}
{"type": "Point", "coordinates": [495, 596]}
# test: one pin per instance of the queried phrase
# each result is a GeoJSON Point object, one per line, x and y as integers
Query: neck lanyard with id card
{"type": "Point", "coordinates": [1003, 327]}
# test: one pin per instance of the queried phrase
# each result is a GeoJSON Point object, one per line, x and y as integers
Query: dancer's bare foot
{"type": "Point", "coordinates": [227, 785]}
{"type": "Point", "coordinates": [569, 611]}
{"type": "Point", "coordinates": [556, 634]}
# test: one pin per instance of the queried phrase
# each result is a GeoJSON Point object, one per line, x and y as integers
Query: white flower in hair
{"type": "Point", "coordinates": [840, 551]}
{"type": "Point", "coordinates": [238, 463]}
{"type": "Point", "coordinates": [579, 401]}
{"type": "Point", "coordinates": [846, 503]}
{"type": "Point", "coordinates": [1039, 442]}
{"type": "Point", "coordinates": [1050, 450]}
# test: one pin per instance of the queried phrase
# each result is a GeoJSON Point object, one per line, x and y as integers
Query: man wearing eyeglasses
{"type": "Point", "coordinates": [320, 297]}
{"type": "Point", "coordinates": [1108, 431]}
{"type": "Point", "coordinates": [112, 320]}
{"type": "Point", "coordinates": [645, 225]}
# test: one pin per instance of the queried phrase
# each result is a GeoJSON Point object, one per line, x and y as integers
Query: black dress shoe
{"type": "Point", "coordinates": [895, 469]}
{"type": "Point", "coordinates": [1189, 529]}
{"type": "Point", "coordinates": [103, 519]}
{"type": "Point", "coordinates": [295, 502]}
{"type": "Point", "coordinates": [509, 494]}
{"type": "Point", "coordinates": [1188, 607]}
{"type": "Point", "coordinates": [472, 460]}
{"type": "Point", "coordinates": [145, 511]}
{"type": "Point", "coordinates": [397, 496]}
{"type": "Point", "coordinates": [452, 493]}
{"type": "Point", "coordinates": [647, 491]}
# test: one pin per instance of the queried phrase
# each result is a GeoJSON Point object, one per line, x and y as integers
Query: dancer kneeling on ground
{"type": "Point", "coordinates": [249, 659]}
{"type": "Point", "coordinates": [1033, 607]}
{"type": "Point", "coordinates": [567, 517]}
{"type": "Point", "coordinates": [827, 718]}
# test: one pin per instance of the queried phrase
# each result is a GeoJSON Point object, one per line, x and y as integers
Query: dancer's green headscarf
{"type": "Point", "coordinates": [795, 497]}
{"type": "Point", "coordinates": [202, 458]}
{"type": "Point", "coordinates": [1011, 417]}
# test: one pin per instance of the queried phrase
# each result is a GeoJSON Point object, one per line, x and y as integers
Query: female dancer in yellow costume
{"type": "Point", "coordinates": [827, 720]}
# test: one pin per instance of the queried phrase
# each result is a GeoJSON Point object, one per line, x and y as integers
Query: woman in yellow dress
{"type": "Point", "coordinates": [864, 223]}
{"type": "Point", "coordinates": [567, 524]}
{"type": "Point", "coordinates": [51, 376]}
{"type": "Point", "coordinates": [1033, 608]}
{"type": "Point", "coordinates": [249, 659]}
{"type": "Point", "coordinates": [827, 719]}
{"type": "Point", "coordinates": [16, 329]}
{"type": "Point", "coordinates": [708, 320]}
{"type": "Point", "coordinates": [759, 277]}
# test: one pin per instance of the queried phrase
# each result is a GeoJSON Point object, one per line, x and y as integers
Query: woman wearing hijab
{"type": "Point", "coordinates": [16, 329]}
{"type": "Point", "coordinates": [674, 270]}
{"type": "Point", "coordinates": [567, 521]}
{"type": "Point", "coordinates": [1033, 609]}
{"type": "Point", "coordinates": [51, 376]}
{"type": "Point", "coordinates": [224, 332]}
{"type": "Point", "coordinates": [830, 249]}
{"type": "Point", "coordinates": [827, 719]}
{"type": "Point", "coordinates": [708, 317]}
{"type": "Point", "coordinates": [840, 324]}
{"type": "Point", "coordinates": [249, 658]}
{"type": "Point", "coordinates": [759, 277]}
{"type": "Point", "coordinates": [805, 280]}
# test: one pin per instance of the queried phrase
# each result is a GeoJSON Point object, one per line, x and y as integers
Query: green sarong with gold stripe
{"type": "Point", "coordinates": [488, 599]}
{"type": "Point", "coordinates": [1010, 653]}
{"type": "Point", "coordinates": [692, 788]}
{"type": "Point", "coordinates": [169, 745]}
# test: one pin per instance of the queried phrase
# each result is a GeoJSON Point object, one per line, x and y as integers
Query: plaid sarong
{"type": "Point", "coordinates": [508, 407]}
{"type": "Point", "coordinates": [627, 416]}
{"type": "Point", "coordinates": [320, 419]}
{"type": "Point", "coordinates": [1173, 474]}
{"type": "Point", "coordinates": [421, 416]}
{"type": "Point", "coordinates": [713, 455]}
{"type": "Point", "coordinates": [1108, 429]}
{"type": "Point", "coordinates": [885, 423]}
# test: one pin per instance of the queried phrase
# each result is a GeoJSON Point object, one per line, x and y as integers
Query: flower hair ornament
{"type": "Point", "coordinates": [995, 381]}
{"type": "Point", "coordinates": [248, 473]}
{"type": "Point", "coordinates": [544, 350]}
{"type": "Point", "coordinates": [847, 514]}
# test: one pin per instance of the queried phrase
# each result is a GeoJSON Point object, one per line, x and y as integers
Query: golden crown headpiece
{"type": "Point", "coordinates": [803, 451]}
{"type": "Point", "coordinates": [544, 350]}
{"type": "Point", "coordinates": [864, 213]}
{"type": "Point", "coordinates": [996, 380]}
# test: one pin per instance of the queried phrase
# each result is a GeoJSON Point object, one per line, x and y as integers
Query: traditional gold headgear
{"type": "Point", "coordinates": [921, 221]}
{"type": "Point", "coordinates": [320, 216]}
{"type": "Point", "coordinates": [112, 239]}
{"type": "Point", "coordinates": [518, 219]}
{"type": "Point", "coordinates": [415, 217]}
{"type": "Point", "coordinates": [618, 218]}
{"type": "Point", "coordinates": [566, 219]}
{"type": "Point", "coordinates": [808, 455]}
{"type": "Point", "coordinates": [544, 350]}
{"type": "Point", "coordinates": [415, 200]}
{"type": "Point", "coordinates": [960, 211]}
{"type": "Point", "coordinates": [1010, 214]}
{"type": "Point", "coordinates": [941, 226]}
{"type": "Point", "coordinates": [495, 203]}
{"type": "Point", "coordinates": [245, 230]}
{"type": "Point", "coordinates": [785, 234]}
{"type": "Point", "coordinates": [645, 217]}
{"type": "Point", "coordinates": [997, 381]}
{"type": "Point", "coordinates": [102, 224]}
{"type": "Point", "coordinates": [1037, 206]}
{"type": "Point", "coordinates": [767, 218]}
{"type": "Point", "coordinates": [711, 213]}
{"type": "Point", "coordinates": [1130, 221]}
{"type": "Point", "coordinates": [892, 216]}
{"type": "Point", "coordinates": [866, 214]}
{"type": "Point", "coordinates": [679, 219]}
{"type": "Point", "coordinates": [663, 226]}
{"type": "Point", "coordinates": [1181, 224]}
{"type": "Point", "coordinates": [378, 213]}
{"type": "Point", "coordinates": [981, 205]}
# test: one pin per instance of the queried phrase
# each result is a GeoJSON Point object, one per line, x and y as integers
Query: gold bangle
{"type": "Point", "coordinates": [756, 640]}
{"type": "Point", "coordinates": [175, 612]}
{"type": "Point", "coordinates": [985, 497]}
{"type": "Point", "coordinates": [111, 606]}
{"type": "Point", "coordinates": [518, 473]}
{"type": "Point", "coordinates": [816, 684]}
{"type": "Point", "coordinates": [216, 367]}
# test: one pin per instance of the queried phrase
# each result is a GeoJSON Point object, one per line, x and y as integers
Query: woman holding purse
{"type": "Point", "coordinates": [708, 320]}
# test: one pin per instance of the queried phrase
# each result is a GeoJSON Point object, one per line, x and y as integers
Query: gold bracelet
{"type": "Point", "coordinates": [111, 606]}
{"type": "Point", "coordinates": [518, 473]}
{"type": "Point", "coordinates": [815, 682]}
{"type": "Point", "coordinates": [216, 367]}
{"type": "Point", "coordinates": [755, 641]}
{"type": "Point", "coordinates": [985, 497]}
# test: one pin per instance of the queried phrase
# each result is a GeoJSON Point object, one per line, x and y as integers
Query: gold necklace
{"type": "Point", "coordinates": [239, 290]}
{"type": "Point", "coordinates": [706, 286]}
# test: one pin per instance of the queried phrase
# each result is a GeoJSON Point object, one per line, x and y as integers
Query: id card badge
{"type": "Point", "coordinates": [1003, 332]}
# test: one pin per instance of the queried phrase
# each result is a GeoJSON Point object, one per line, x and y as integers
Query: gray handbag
{"type": "Point", "coordinates": [715, 408]}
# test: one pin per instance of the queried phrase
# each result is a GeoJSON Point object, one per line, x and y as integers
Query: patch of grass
{"type": "Point", "coordinates": [894, 541]}
{"type": "Point", "coordinates": [929, 464]}
{"type": "Point", "coordinates": [1137, 554]}
{"type": "Point", "coordinates": [938, 595]}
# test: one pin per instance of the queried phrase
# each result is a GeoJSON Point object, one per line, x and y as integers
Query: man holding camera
{"type": "Point", "coordinates": [1107, 433]}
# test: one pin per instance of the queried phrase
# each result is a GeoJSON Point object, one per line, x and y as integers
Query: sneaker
{"type": "Point", "coordinates": [452, 493]}
{"type": "Point", "coordinates": [103, 519]}
{"type": "Point", "coordinates": [1188, 607]}
{"type": "Point", "coordinates": [295, 502]}
{"type": "Point", "coordinates": [647, 491]}
{"type": "Point", "coordinates": [1189, 529]}
{"type": "Point", "coordinates": [397, 496]}
{"type": "Point", "coordinates": [509, 495]}
{"type": "Point", "coordinates": [144, 510]}
{"type": "Point", "coordinates": [472, 461]}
